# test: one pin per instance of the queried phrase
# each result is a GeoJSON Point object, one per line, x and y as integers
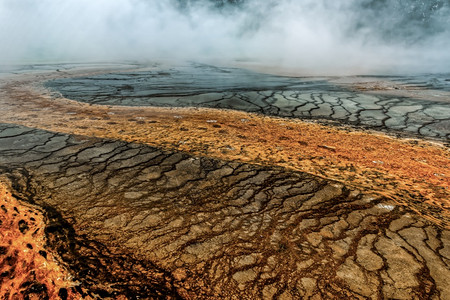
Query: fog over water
{"type": "Point", "coordinates": [309, 36]}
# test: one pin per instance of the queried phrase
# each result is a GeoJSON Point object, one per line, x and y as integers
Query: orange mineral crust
{"type": "Point", "coordinates": [27, 269]}
{"type": "Point", "coordinates": [412, 172]}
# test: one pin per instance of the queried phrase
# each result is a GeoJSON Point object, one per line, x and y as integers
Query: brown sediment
{"type": "Point", "coordinates": [412, 172]}
{"type": "Point", "coordinates": [27, 268]}
{"type": "Point", "coordinates": [145, 220]}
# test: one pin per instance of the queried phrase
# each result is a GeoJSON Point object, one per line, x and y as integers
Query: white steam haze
{"type": "Point", "coordinates": [310, 36]}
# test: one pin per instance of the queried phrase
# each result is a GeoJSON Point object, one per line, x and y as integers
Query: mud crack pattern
{"type": "Point", "coordinates": [230, 88]}
{"type": "Point", "coordinates": [205, 228]}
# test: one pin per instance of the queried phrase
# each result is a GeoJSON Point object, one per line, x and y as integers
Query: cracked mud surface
{"type": "Point", "coordinates": [225, 229]}
{"type": "Point", "coordinates": [363, 159]}
{"type": "Point", "coordinates": [305, 98]}
{"type": "Point", "coordinates": [167, 220]}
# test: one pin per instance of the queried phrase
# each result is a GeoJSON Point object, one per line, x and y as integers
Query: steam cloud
{"type": "Point", "coordinates": [309, 36]}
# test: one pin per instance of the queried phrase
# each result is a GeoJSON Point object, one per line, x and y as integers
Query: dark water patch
{"type": "Point", "coordinates": [143, 88]}
{"type": "Point", "coordinates": [200, 85]}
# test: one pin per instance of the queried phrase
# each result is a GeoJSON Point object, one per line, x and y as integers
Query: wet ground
{"type": "Point", "coordinates": [220, 229]}
{"type": "Point", "coordinates": [183, 203]}
{"type": "Point", "coordinates": [295, 97]}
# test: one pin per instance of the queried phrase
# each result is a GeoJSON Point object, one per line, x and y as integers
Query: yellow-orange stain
{"type": "Point", "coordinates": [27, 268]}
{"type": "Point", "coordinates": [414, 173]}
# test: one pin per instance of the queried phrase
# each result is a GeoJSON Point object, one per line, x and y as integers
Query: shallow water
{"type": "Point", "coordinates": [298, 97]}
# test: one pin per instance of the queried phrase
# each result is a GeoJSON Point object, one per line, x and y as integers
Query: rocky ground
{"type": "Point", "coordinates": [161, 203]}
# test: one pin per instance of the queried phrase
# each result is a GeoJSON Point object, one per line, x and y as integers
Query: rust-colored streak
{"type": "Point", "coordinates": [412, 172]}
{"type": "Point", "coordinates": [27, 269]}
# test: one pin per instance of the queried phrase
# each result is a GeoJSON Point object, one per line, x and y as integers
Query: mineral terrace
{"type": "Point", "coordinates": [103, 197]}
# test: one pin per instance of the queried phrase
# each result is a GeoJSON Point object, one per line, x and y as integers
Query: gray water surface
{"type": "Point", "coordinates": [199, 85]}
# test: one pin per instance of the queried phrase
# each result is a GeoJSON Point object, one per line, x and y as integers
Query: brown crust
{"type": "Point", "coordinates": [412, 172]}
